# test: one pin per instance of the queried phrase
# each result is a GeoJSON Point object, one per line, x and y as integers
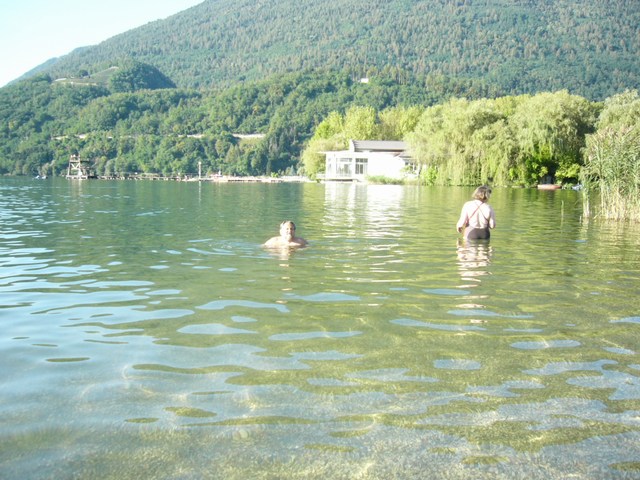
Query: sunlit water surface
{"type": "Point", "coordinates": [145, 333]}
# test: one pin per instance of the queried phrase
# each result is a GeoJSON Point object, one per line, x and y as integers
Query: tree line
{"type": "Point", "coordinates": [482, 137]}
{"type": "Point", "coordinates": [509, 141]}
{"type": "Point", "coordinates": [123, 129]}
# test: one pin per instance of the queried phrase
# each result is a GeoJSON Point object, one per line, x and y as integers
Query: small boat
{"type": "Point", "coordinates": [548, 186]}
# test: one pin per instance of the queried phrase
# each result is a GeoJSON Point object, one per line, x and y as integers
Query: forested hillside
{"type": "Point", "coordinates": [521, 46]}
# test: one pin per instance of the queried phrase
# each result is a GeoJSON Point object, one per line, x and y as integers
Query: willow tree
{"type": "Point", "coordinates": [453, 140]}
{"type": "Point", "coordinates": [550, 130]}
{"type": "Point", "coordinates": [611, 171]}
{"type": "Point", "coordinates": [396, 122]}
{"type": "Point", "coordinates": [495, 149]}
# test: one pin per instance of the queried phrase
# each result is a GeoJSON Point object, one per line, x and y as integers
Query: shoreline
{"type": "Point", "coordinates": [186, 178]}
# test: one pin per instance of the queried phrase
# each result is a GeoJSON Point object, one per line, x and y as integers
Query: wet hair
{"type": "Point", "coordinates": [288, 222]}
{"type": "Point", "coordinates": [482, 193]}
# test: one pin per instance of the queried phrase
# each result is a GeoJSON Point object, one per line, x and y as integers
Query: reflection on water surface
{"type": "Point", "coordinates": [147, 333]}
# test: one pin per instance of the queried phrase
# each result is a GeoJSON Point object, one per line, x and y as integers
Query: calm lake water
{"type": "Point", "coordinates": [145, 333]}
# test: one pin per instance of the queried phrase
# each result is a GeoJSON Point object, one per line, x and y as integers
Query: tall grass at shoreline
{"type": "Point", "coordinates": [612, 171]}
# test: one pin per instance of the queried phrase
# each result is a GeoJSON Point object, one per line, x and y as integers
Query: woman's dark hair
{"type": "Point", "coordinates": [482, 193]}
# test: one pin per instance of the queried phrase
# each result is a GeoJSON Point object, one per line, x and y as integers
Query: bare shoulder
{"type": "Point", "coordinates": [273, 242]}
{"type": "Point", "coordinates": [279, 242]}
{"type": "Point", "coordinates": [300, 242]}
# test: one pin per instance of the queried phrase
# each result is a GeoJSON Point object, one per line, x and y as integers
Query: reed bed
{"type": "Point", "coordinates": [611, 174]}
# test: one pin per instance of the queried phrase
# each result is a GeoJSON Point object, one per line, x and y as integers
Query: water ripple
{"type": "Point", "coordinates": [543, 416]}
{"type": "Point", "coordinates": [556, 368]}
{"type": "Point", "coordinates": [213, 329]}
{"type": "Point", "coordinates": [222, 304]}
{"type": "Point", "coordinates": [619, 350]}
{"type": "Point", "coordinates": [330, 382]}
{"type": "Point", "coordinates": [326, 297]}
{"type": "Point", "coordinates": [241, 319]}
{"type": "Point", "coordinates": [311, 335]}
{"type": "Point", "coordinates": [627, 320]}
{"type": "Point", "coordinates": [504, 390]}
{"type": "Point", "coordinates": [457, 364]}
{"type": "Point", "coordinates": [540, 345]}
{"type": "Point", "coordinates": [242, 356]}
{"type": "Point", "coordinates": [327, 355]}
{"type": "Point", "coordinates": [446, 291]}
{"type": "Point", "coordinates": [85, 304]}
{"type": "Point", "coordinates": [484, 313]}
{"type": "Point", "coordinates": [230, 354]}
{"type": "Point", "coordinates": [625, 386]}
{"type": "Point", "coordinates": [407, 322]}
{"type": "Point", "coordinates": [113, 315]}
{"type": "Point", "coordinates": [390, 375]}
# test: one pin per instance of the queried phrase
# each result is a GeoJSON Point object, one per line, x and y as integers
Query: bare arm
{"type": "Point", "coordinates": [463, 220]}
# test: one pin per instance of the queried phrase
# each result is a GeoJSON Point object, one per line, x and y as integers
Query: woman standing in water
{"type": "Point", "coordinates": [477, 217]}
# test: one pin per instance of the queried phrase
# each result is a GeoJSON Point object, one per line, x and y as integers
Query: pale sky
{"type": "Point", "coordinates": [33, 31]}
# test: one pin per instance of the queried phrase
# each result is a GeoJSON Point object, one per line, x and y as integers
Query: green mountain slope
{"type": "Point", "coordinates": [519, 46]}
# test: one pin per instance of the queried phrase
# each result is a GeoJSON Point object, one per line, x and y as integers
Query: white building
{"type": "Point", "coordinates": [369, 158]}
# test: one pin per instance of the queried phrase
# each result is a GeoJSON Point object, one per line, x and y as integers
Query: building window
{"type": "Point", "coordinates": [344, 167]}
{"type": "Point", "coordinates": [361, 166]}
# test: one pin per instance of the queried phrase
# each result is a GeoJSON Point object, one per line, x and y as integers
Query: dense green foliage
{"type": "Point", "coordinates": [520, 140]}
{"type": "Point", "coordinates": [510, 140]}
{"type": "Point", "coordinates": [32, 114]}
{"type": "Point", "coordinates": [133, 76]}
{"type": "Point", "coordinates": [589, 48]}
{"type": "Point", "coordinates": [612, 161]}
{"type": "Point", "coordinates": [169, 131]}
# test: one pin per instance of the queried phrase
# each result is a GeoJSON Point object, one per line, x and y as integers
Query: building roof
{"type": "Point", "coordinates": [393, 146]}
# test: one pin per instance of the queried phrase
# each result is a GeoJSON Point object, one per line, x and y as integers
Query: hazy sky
{"type": "Point", "coordinates": [33, 31]}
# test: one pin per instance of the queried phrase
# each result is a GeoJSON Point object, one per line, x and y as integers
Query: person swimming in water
{"type": "Point", "coordinates": [287, 237]}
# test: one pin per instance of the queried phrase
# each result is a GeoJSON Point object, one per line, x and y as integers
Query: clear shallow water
{"type": "Point", "coordinates": [147, 334]}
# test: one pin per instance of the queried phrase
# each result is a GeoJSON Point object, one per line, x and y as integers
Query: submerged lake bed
{"type": "Point", "coordinates": [146, 333]}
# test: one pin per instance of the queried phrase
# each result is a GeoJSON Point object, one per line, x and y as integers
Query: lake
{"type": "Point", "coordinates": [147, 334]}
